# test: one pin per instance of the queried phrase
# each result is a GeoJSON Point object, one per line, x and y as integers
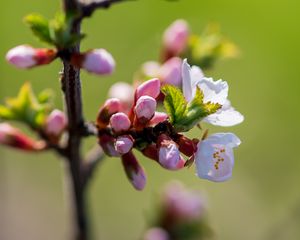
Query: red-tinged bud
{"type": "Point", "coordinates": [149, 88]}
{"type": "Point", "coordinates": [151, 152]}
{"type": "Point", "coordinates": [98, 61]}
{"type": "Point", "coordinates": [122, 91]}
{"type": "Point", "coordinates": [13, 137]}
{"type": "Point", "coordinates": [25, 56]}
{"type": "Point", "coordinates": [175, 37]}
{"type": "Point", "coordinates": [156, 233]}
{"type": "Point", "coordinates": [168, 153]}
{"type": "Point", "coordinates": [107, 143]}
{"type": "Point", "coordinates": [186, 146]}
{"type": "Point", "coordinates": [56, 123]}
{"type": "Point", "coordinates": [124, 144]}
{"type": "Point", "coordinates": [134, 171]}
{"type": "Point", "coordinates": [110, 107]}
{"type": "Point", "coordinates": [170, 72]}
{"type": "Point", "coordinates": [145, 108]}
{"type": "Point", "coordinates": [158, 118]}
{"type": "Point", "coordinates": [120, 122]}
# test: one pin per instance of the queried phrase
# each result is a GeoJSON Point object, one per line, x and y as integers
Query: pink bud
{"type": "Point", "coordinates": [13, 137]}
{"type": "Point", "coordinates": [98, 61]}
{"type": "Point", "coordinates": [107, 143]}
{"type": "Point", "coordinates": [122, 91]}
{"type": "Point", "coordinates": [124, 144]}
{"type": "Point", "coordinates": [150, 69]}
{"type": "Point", "coordinates": [56, 123]}
{"type": "Point", "coordinates": [110, 107]}
{"type": "Point", "coordinates": [158, 118]}
{"type": "Point", "coordinates": [170, 72]}
{"type": "Point", "coordinates": [182, 203]}
{"type": "Point", "coordinates": [145, 108]}
{"type": "Point", "coordinates": [149, 88]}
{"type": "Point", "coordinates": [175, 37]}
{"type": "Point", "coordinates": [120, 122]}
{"type": "Point", "coordinates": [168, 154]}
{"type": "Point", "coordinates": [156, 233]}
{"type": "Point", "coordinates": [25, 56]}
{"type": "Point", "coordinates": [134, 171]}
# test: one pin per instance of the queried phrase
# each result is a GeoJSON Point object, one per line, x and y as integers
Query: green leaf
{"type": "Point", "coordinates": [40, 27]}
{"type": "Point", "coordinates": [174, 103]}
{"type": "Point", "coordinates": [27, 108]}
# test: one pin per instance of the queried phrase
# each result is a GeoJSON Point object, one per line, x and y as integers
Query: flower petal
{"type": "Point", "coordinates": [214, 91]}
{"type": "Point", "coordinates": [214, 157]}
{"type": "Point", "coordinates": [227, 116]}
{"type": "Point", "coordinates": [186, 81]}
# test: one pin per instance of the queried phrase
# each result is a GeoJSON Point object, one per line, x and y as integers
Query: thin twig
{"type": "Point", "coordinates": [93, 158]}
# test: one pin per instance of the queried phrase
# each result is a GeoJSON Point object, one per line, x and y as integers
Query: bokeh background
{"type": "Point", "coordinates": [261, 201]}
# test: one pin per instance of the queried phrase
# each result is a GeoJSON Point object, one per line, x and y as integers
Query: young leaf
{"type": "Point", "coordinates": [40, 27]}
{"type": "Point", "coordinates": [196, 111]}
{"type": "Point", "coordinates": [174, 103]}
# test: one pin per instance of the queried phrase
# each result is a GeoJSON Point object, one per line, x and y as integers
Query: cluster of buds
{"type": "Point", "coordinates": [157, 135]}
{"type": "Point", "coordinates": [181, 215]}
{"type": "Point", "coordinates": [97, 61]}
{"type": "Point", "coordinates": [143, 128]}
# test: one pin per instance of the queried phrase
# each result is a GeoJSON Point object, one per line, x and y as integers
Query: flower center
{"type": "Point", "coordinates": [218, 156]}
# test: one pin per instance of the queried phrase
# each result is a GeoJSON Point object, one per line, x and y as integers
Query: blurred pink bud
{"type": "Point", "coordinates": [145, 108]}
{"type": "Point", "coordinates": [25, 56]}
{"type": "Point", "coordinates": [183, 204]}
{"type": "Point", "coordinates": [134, 171]}
{"type": "Point", "coordinates": [56, 123]}
{"type": "Point", "coordinates": [168, 153]}
{"type": "Point", "coordinates": [150, 69]}
{"type": "Point", "coordinates": [158, 118]}
{"type": "Point", "coordinates": [110, 107]}
{"type": "Point", "coordinates": [175, 37]}
{"type": "Point", "coordinates": [170, 72]}
{"type": "Point", "coordinates": [13, 137]}
{"type": "Point", "coordinates": [107, 143]}
{"type": "Point", "coordinates": [156, 233]}
{"type": "Point", "coordinates": [124, 144]}
{"type": "Point", "coordinates": [149, 88]}
{"type": "Point", "coordinates": [120, 122]}
{"type": "Point", "coordinates": [98, 61]}
{"type": "Point", "coordinates": [122, 91]}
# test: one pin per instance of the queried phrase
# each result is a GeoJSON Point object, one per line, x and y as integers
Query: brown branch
{"type": "Point", "coordinates": [88, 7]}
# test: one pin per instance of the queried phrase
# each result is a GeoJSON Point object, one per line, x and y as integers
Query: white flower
{"type": "Point", "coordinates": [214, 156]}
{"type": "Point", "coordinates": [214, 91]}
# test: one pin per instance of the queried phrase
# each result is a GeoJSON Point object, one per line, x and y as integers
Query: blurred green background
{"type": "Point", "coordinates": [261, 201]}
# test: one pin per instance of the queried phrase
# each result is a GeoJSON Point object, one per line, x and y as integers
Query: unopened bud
{"type": "Point", "coordinates": [13, 137]}
{"type": "Point", "coordinates": [25, 56]}
{"type": "Point", "coordinates": [56, 123]}
{"type": "Point", "coordinates": [98, 61]}
{"type": "Point", "coordinates": [170, 72]}
{"type": "Point", "coordinates": [175, 37]}
{"type": "Point", "coordinates": [158, 118]}
{"type": "Point", "coordinates": [110, 107]}
{"type": "Point", "coordinates": [134, 171]}
{"type": "Point", "coordinates": [168, 154]}
{"type": "Point", "coordinates": [107, 143]}
{"type": "Point", "coordinates": [124, 144]}
{"type": "Point", "coordinates": [149, 88]}
{"type": "Point", "coordinates": [145, 108]}
{"type": "Point", "coordinates": [120, 122]}
{"type": "Point", "coordinates": [156, 233]}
